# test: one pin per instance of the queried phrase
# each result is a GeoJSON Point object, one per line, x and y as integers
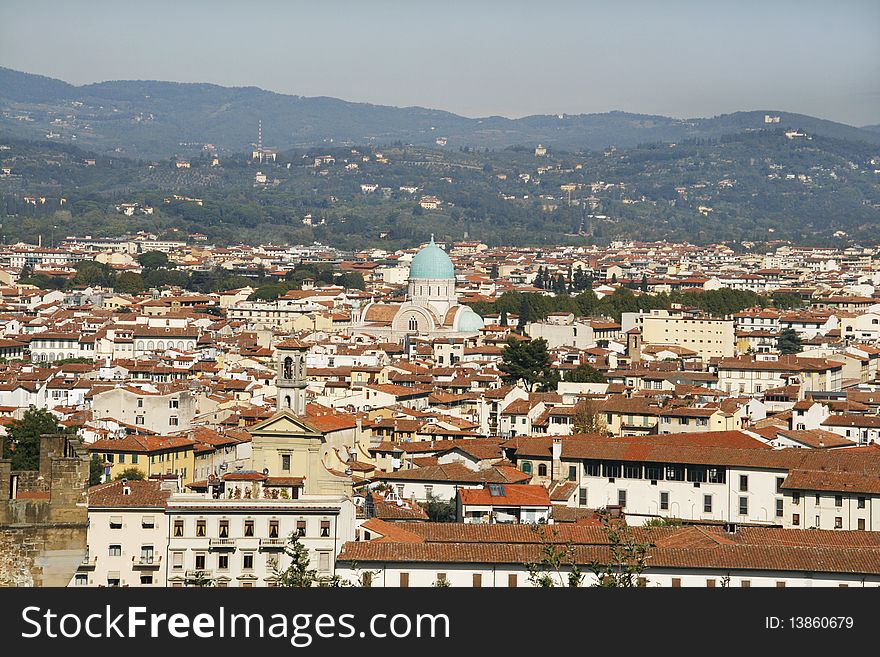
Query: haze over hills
{"type": "Point", "coordinates": [152, 119]}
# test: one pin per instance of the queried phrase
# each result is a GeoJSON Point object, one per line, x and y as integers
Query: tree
{"type": "Point", "coordinates": [129, 282]}
{"type": "Point", "coordinates": [589, 418]}
{"type": "Point", "coordinates": [96, 470]}
{"type": "Point", "coordinates": [789, 342]}
{"type": "Point", "coordinates": [153, 260]}
{"type": "Point", "coordinates": [644, 284]}
{"type": "Point", "coordinates": [199, 578]}
{"type": "Point", "coordinates": [502, 318]}
{"type": "Point", "coordinates": [528, 361]}
{"type": "Point", "coordinates": [555, 558]}
{"type": "Point", "coordinates": [493, 272]}
{"type": "Point", "coordinates": [297, 574]}
{"type": "Point", "coordinates": [627, 560]}
{"type": "Point", "coordinates": [90, 272]}
{"type": "Point", "coordinates": [585, 373]}
{"type": "Point", "coordinates": [132, 474]}
{"type": "Point", "coordinates": [22, 443]}
{"type": "Point", "coordinates": [440, 511]}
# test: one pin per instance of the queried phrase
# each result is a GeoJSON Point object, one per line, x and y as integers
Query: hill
{"type": "Point", "coordinates": [151, 119]}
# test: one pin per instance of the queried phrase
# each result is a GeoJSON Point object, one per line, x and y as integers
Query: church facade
{"type": "Point", "coordinates": [431, 308]}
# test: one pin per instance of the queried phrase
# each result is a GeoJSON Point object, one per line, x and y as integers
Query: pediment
{"type": "Point", "coordinates": [284, 422]}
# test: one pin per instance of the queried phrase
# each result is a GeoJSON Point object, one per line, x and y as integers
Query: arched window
{"type": "Point", "coordinates": [413, 323]}
{"type": "Point", "coordinates": [288, 368]}
{"type": "Point", "coordinates": [542, 470]}
{"type": "Point", "coordinates": [527, 467]}
{"type": "Point", "coordinates": [875, 321]}
{"type": "Point", "coordinates": [287, 401]}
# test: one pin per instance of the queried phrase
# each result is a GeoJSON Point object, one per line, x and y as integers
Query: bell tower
{"type": "Point", "coordinates": [291, 379]}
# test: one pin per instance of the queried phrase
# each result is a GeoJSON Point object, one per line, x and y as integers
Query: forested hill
{"type": "Point", "coordinates": [163, 119]}
{"type": "Point", "coordinates": [756, 186]}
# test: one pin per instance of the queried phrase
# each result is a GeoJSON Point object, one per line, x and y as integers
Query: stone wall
{"type": "Point", "coordinates": [43, 526]}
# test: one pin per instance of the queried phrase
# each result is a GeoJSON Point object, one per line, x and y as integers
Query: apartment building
{"type": "Point", "coordinates": [746, 375]}
{"type": "Point", "coordinates": [710, 337]}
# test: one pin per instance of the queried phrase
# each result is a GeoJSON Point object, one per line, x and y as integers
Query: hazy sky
{"type": "Point", "coordinates": [679, 58]}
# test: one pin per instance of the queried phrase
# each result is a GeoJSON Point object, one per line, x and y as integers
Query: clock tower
{"type": "Point", "coordinates": [291, 380]}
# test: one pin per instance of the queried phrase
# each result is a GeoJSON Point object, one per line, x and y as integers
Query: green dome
{"type": "Point", "coordinates": [469, 321]}
{"type": "Point", "coordinates": [431, 263]}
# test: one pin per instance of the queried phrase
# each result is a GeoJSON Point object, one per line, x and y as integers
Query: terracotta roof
{"type": "Point", "coordinates": [146, 493]}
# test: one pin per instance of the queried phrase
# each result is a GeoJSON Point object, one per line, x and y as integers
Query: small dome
{"type": "Point", "coordinates": [431, 263]}
{"type": "Point", "coordinates": [469, 321]}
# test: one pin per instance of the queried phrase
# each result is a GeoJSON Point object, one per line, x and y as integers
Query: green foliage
{"type": "Point", "coordinates": [556, 558]}
{"type": "Point", "coordinates": [92, 273]}
{"type": "Point", "coordinates": [528, 361]}
{"type": "Point", "coordinates": [129, 282]}
{"type": "Point", "coordinates": [786, 301]}
{"type": "Point", "coordinates": [22, 442]}
{"type": "Point", "coordinates": [441, 583]}
{"type": "Point", "coordinates": [585, 373]}
{"type": "Point", "coordinates": [440, 511]}
{"type": "Point", "coordinates": [627, 560]}
{"type": "Point", "coordinates": [297, 574]}
{"type": "Point", "coordinates": [663, 522]}
{"type": "Point", "coordinates": [200, 579]}
{"type": "Point", "coordinates": [789, 342]}
{"type": "Point", "coordinates": [96, 470]}
{"type": "Point", "coordinates": [153, 260]}
{"type": "Point", "coordinates": [131, 474]}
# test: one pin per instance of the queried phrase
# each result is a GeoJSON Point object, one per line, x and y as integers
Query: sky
{"type": "Point", "coordinates": [680, 58]}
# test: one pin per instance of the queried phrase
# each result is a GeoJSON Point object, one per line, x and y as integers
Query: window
{"type": "Point", "coordinates": [223, 531]}
{"type": "Point", "coordinates": [710, 583]}
{"type": "Point", "coordinates": [612, 470]}
{"type": "Point", "coordinates": [478, 581]}
{"type": "Point", "coordinates": [429, 491]}
{"type": "Point", "coordinates": [300, 527]}
{"type": "Point", "coordinates": [746, 584]}
{"type": "Point", "coordinates": [146, 580]}
{"type": "Point", "coordinates": [779, 481]}
{"type": "Point", "coordinates": [780, 585]}
{"type": "Point", "coordinates": [838, 522]}
{"type": "Point", "coordinates": [796, 498]}
{"type": "Point", "coordinates": [696, 474]}
{"type": "Point", "coordinates": [285, 462]}
{"type": "Point", "coordinates": [174, 403]}
{"type": "Point", "coordinates": [796, 519]}
{"type": "Point", "coordinates": [115, 550]}
{"type": "Point", "coordinates": [404, 580]}
{"type": "Point", "coordinates": [200, 561]}
{"type": "Point", "coordinates": [82, 579]}
{"type": "Point", "coordinates": [139, 419]}
{"type": "Point", "coordinates": [248, 527]}
{"type": "Point", "coordinates": [582, 497]}
{"type": "Point", "coordinates": [201, 528]}
{"type": "Point", "coordinates": [511, 581]}
{"type": "Point", "coordinates": [779, 509]}
{"type": "Point", "coordinates": [542, 470]}
{"type": "Point", "coordinates": [817, 522]}
{"type": "Point", "coordinates": [176, 560]}
{"type": "Point", "coordinates": [676, 582]}
{"type": "Point", "coordinates": [273, 529]}
{"type": "Point", "coordinates": [743, 506]}
{"type": "Point", "coordinates": [838, 501]}
{"type": "Point", "coordinates": [247, 561]}
{"type": "Point", "coordinates": [325, 528]}
{"type": "Point", "coordinates": [818, 499]}
{"type": "Point", "coordinates": [664, 501]}
{"type": "Point", "coordinates": [223, 562]}
{"type": "Point", "coordinates": [172, 421]}
{"type": "Point", "coordinates": [621, 498]}
{"type": "Point", "coordinates": [367, 579]}
{"type": "Point", "coordinates": [572, 472]}
{"type": "Point", "coordinates": [115, 522]}
{"type": "Point", "coordinates": [527, 467]}
{"type": "Point", "coordinates": [323, 561]}
{"type": "Point", "coordinates": [592, 468]}
{"type": "Point", "coordinates": [653, 472]}
{"type": "Point", "coordinates": [122, 458]}
{"type": "Point", "coordinates": [743, 483]}
{"type": "Point", "coordinates": [675, 473]}
{"type": "Point", "coordinates": [134, 458]}
{"type": "Point", "coordinates": [861, 524]}
{"type": "Point", "coordinates": [861, 503]}
{"type": "Point", "coordinates": [632, 471]}
{"type": "Point", "coordinates": [707, 504]}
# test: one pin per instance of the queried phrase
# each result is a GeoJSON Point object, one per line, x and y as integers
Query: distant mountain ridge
{"type": "Point", "coordinates": [155, 119]}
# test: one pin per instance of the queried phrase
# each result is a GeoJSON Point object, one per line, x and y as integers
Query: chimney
{"type": "Point", "coordinates": [556, 452]}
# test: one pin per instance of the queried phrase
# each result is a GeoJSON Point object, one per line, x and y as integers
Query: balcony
{"type": "Point", "coordinates": [88, 563]}
{"type": "Point", "coordinates": [272, 543]}
{"type": "Point", "coordinates": [221, 544]}
{"type": "Point", "coordinates": [146, 562]}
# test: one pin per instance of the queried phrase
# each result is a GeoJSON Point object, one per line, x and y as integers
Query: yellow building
{"type": "Point", "coordinates": [708, 336]}
{"type": "Point", "coordinates": [152, 455]}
